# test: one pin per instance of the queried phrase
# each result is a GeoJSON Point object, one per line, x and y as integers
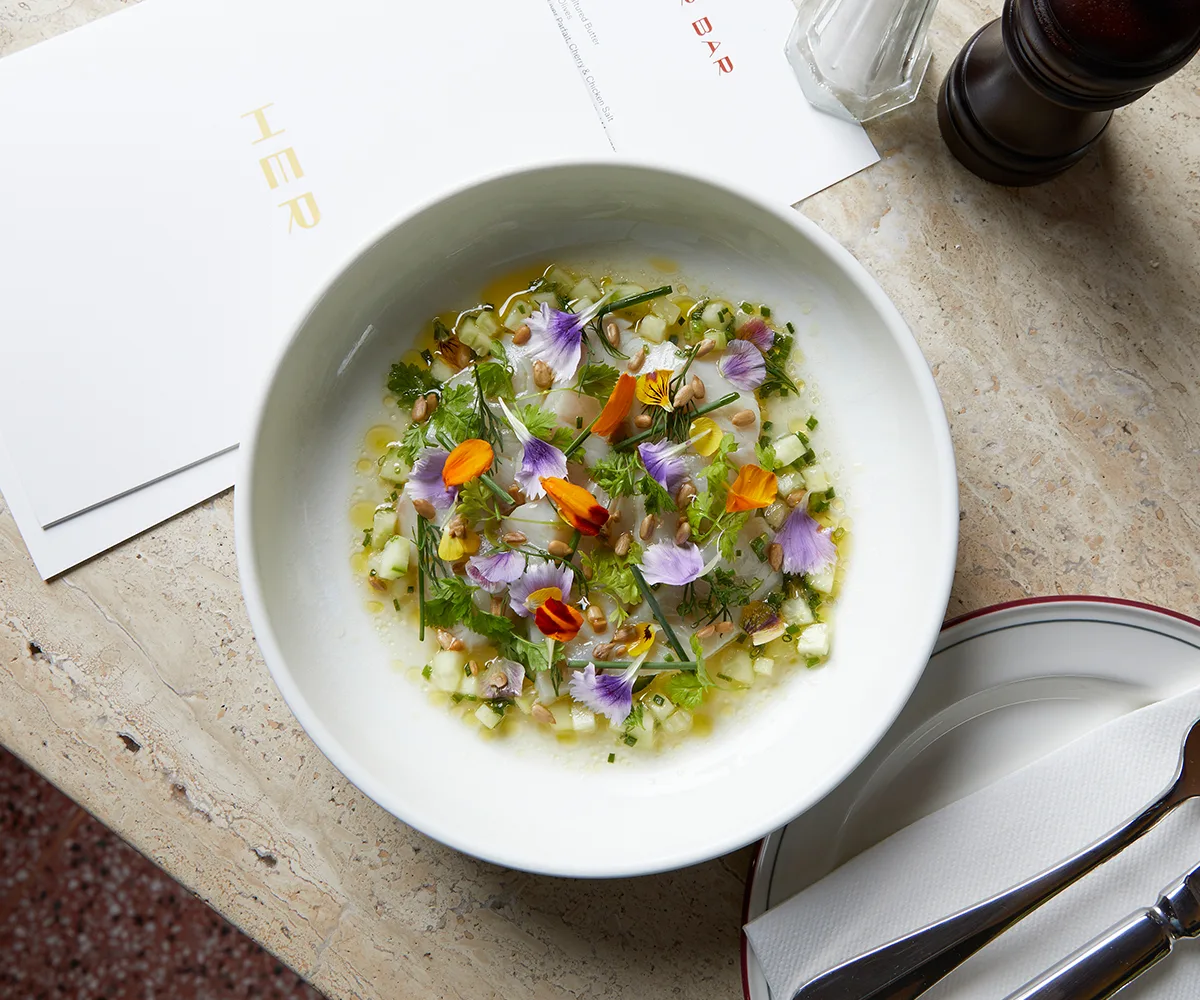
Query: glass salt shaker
{"type": "Point", "coordinates": [860, 58]}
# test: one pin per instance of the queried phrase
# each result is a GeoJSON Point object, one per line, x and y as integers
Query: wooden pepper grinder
{"type": "Point", "coordinates": [1031, 92]}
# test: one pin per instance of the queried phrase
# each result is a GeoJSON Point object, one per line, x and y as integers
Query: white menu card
{"type": "Point", "coordinates": [178, 178]}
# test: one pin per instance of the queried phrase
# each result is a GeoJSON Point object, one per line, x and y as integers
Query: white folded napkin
{"type": "Point", "coordinates": [997, 837]}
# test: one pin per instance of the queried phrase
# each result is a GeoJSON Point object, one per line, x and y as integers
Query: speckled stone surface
{"type": "Point", "coordinates": [83, 915]}
{"type": "Point", "coordinates": [1060, 323]}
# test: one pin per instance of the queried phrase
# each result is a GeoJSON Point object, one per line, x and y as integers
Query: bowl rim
{"type": "Point", "coordinates": [943, 539]}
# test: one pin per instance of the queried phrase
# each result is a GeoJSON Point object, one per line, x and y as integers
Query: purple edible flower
{"type": "Point", "coordinates": [607, 694]}
{"type": "Point", "coordinates": [425, 481]}
{"type": "Point", "coordinates": [557, 338]}
{"type": "Point", "coordinates": [539, 576]}
{"type": "Point", "coordinates": [501, 678]}
{"type": "Point", "coordinates": [496, 570]}
{"type": "Point", "coordinates": [674, 565]}
{"type": "Point", "coordinates": [538, 459]}
{"type": "Point", "coordinates": [742, 365]}
{"type": "Point", "coordinates": [757, 333]}
{"type": "Point", "coordinates": [807, 546]}
{"type": "Point", "coordinates": [664, 463]}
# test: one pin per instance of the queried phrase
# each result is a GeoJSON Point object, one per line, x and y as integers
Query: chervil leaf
{"type": "Point", "coordinates": [413, 442]}
{"type": "Point", "coordinates": [731, 526]}
{"type": "Point", "coordinates": [451, 604]}
{"type": "Point", "coordinates": [611, 573]}
{"type": "Point", "coordinates": [617, 474]}
{"type": "Point", "coordinates": [597, 380]}
{"type": "Point", "coordinates": [456, 415]}
{"type": "Point", "coordinates": [407, 382]}
{"type": "Point", "coordinates": [496, 380]}
{"type": "Point", "coordinates": [658, 500]}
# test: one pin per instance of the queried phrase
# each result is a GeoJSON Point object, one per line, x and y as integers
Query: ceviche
{"type": "Point", "coordinates": [601, 506]}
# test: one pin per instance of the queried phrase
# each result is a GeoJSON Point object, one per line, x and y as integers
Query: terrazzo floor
{"type": "Point", "coordinates": [83, 916]}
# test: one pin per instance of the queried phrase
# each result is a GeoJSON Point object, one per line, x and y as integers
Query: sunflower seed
{"type": "Point", "coordinates": [420, 410]}
{"type": "Point", "coordinates": [775, 556]}
{"type": "Point", "coordinates": [698, 390]}
{"type": "Point", "coordinates": [541, 713]}
{"type": "Point", "coordinates": [685, 493]}
{"type": "Point", "coordinates": [623, 543]}
{"type": "Point", "coordinates": [684, 396]}
{"type": "Point", "coordinates": [559, 548]}
{"type": "Point", "coordinates": [795, 497]}
{"type": "Point", "coordinates": [424, 508]}
{"type": "Point", "coordinates": [649, 523]}
{"type": "Point", "coordinates": [517, 494]}
{"type": "Point", "coordinates": [431, 403]}
{"type": "Point", "coordinates": [514, 538]}
{"type": "Point", "coordinates": [639, 359]}
{"type": "Point", "coordinates": [612, 331]}
{"type": "Point", "coordinates": [724, 628]}
{"type": "Point", "coordinates": [743, 418]}
{"type": "Point", "coordinates": [707, 631]}
{"type": "Point", "coordinates": [705, 347]}
{"type": "Point", "coordinates": [543, 377]}
{"type": "Point", "coordinates": [473, 665]}
{"type": "Point", "coordinates": [597, 618]}
{"type": "Point", "coordinates": [448, 640]}
{"type": "Point", "coordinates": [683, 532]}
{"type": "Point", "coordinates": [642, 421]}
{"type": "Point", "coordinates": [625, 633]}
{"type": "Point", "coordinates": [521, 335]}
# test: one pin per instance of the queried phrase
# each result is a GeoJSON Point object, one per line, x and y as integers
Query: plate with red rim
{"type": "Point", "coordinates": [1004, 686]}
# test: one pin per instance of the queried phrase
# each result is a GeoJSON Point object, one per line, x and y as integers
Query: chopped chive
{"type": "Point", "coordinates": [725, 400]}
{"type": "Point", "coordinates": [635, 300]}
{"type": "Point", "coordinates": [629, 740]}
{"type": "Point", "coordinates": [575, 445]}
{"type": "Point", "coordinates": [495, 487]}
{"type": "Point", "coordinates": [578, 422]}
{"type": "Point", "coordinates": [746, 307]}
{"type": "Point", "coordinates": [765, 310]}
{"type": "Point", "coordinates": [790, 328]}
{"type": "Point", "coordinates": [811, 423]}
{"type": "Point", "coordinates": [396, 601]}
{"type": "Point", "coordinates": [427, 671]}
{"type": "Point", "coordinates": [767, 426]}
{"type": "Point", "coordinates": [612, 758]}
{"type": "Point", "coordinates": [657, 611]}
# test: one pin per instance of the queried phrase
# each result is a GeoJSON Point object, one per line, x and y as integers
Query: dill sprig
{"type": "Point", "coordinates": [731, 397]}
{"type": "Point", "coordinates": [490, 428]}
{"type": "Point", "coordinates": [429, 565]}
{"type": "Point", "coordinates": [725, 592]}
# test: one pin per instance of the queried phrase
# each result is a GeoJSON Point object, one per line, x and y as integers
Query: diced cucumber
{"type": "Point", "coordinates": [624, 291]}
{"type": "Point", "coordinates": [739, 668]}
{"type": "Point", "coordinates": [644, 731]}
{"type": "Point", "coordinates": [440, 370]}
{"type": "Point", "coordinates": [679, 721]}
{"type": "Point", "coordinates": [487, 323]}
{"type": "Point", "coordinates": [652, 328]}
{"type": "Point", "coordinates": [524, 701]}
{"type": "Point", "coordinates": [719, 338]}
{"type": "Point", "coordinates": [788, 482]}
{"type": "Point", "coordinates": [585, 289]}
{"type": "Point", "coordinates": [468, 685]}
{"type": "Point", "coordinates": [797, 612]}
{"type": "Point", "coordinates": [543, 686]}
{"type": "Point", "coordinates": [545, 299]}
{"type": "Point", "coordinates": [815, 479]}
{"type": "Point", "coordinates": [666, 310]}
{"type": "Point", "coordinates": [787, 449]}
{"type": "Point", "coordinates": [446, 670]}
{"type": "Point", "coordinates": [383, 526]}
{"type": "Point", "coordinates": [518, 313]}
{"type": "Point", "coordinates": [392, 466]}
{"type": "Point", "coordinates": [814, 640]}
{"type": "Point", "coordinates": [474, 336]}
{"type": "Point", "coordinates": [561, 279]}
{"type": "Point", "coordinates": [392, 561]}
{"type": "Point", "coordinates": [822, 582]}
{"type": "Point", "coordinates": [717, 315]}
{"type": "Point", "coordinates": [583, 720]}
{"type": "Point", "coordinates": [659, 705]}
{"type": "Point", "coordinates": [488, 718]}
{"type": "Point", "coordinates": [580, 305]}
{"type": "Point", "coordinates": [764, 666]}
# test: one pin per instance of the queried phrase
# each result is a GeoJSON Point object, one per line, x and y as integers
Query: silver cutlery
{"type": "Point", "coordinates": [908, 966]}
{"type": "Point", "coordinates": [1114, 959]}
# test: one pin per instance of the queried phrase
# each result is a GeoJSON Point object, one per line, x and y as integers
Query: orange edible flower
{"type": "Point", "coordinates": [654, 389]}
{"type": "Point", "coordinates": [557, 620]}
{"type": "Point", "coordinates": [617, 407]}
{"type": "Point", "coordinates": [470, 459]}
{"type": "Point", "coordinates": [753, 488]}
{"type": "Point", "coordinates": [575, 505]}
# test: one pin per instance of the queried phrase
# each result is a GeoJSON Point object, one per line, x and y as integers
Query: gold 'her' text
{"type": "Point", "coordinates": [282, 170]}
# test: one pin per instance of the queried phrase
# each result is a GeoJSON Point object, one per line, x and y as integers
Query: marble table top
{"type": "Point", "coordinates": [1061, 325]}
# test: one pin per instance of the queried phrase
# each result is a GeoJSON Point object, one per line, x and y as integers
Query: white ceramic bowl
{"type": "Point", "coordinates": [881, 418]}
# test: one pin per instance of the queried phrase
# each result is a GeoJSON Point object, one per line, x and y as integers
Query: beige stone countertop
{"type": "Point", "coordinates": [1062, 324]}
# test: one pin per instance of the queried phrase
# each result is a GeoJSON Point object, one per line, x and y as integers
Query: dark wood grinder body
{"type": "Point", "coordinates": [1031, 92]}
